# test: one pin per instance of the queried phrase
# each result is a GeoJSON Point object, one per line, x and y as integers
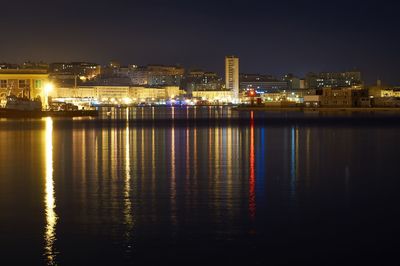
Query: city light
{"type": "Point", "coordinates": [48, 87]}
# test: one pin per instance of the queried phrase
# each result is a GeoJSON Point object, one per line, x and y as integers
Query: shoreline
{"type": "Point", "coordinates": [319, 109]}
{"type": "Point", "coordinates": [9, 113]}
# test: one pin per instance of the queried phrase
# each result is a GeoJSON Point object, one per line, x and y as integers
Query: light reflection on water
{"type": "Point", "coordinates": [50, 201]}
{"type": "Point", "coordinates": [128, 192]}
{"type": "Point", "coordinates": [128, 215]}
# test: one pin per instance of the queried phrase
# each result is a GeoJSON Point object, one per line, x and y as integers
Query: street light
{"type": "Point", "coordinates": [48, 87]}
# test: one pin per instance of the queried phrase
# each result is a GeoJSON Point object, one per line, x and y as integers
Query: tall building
{"type": "Point", "coordinates": [232, 75]}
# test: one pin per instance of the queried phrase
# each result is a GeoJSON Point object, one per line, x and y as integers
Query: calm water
{"type": "Point", "coordinates": [128, 190]}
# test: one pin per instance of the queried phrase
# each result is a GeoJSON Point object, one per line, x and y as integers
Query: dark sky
{"type": "Point", "coordinates": [273, 37]}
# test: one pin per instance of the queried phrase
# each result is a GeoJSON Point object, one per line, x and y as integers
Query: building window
{"type": "Point", "coordinates": [3, 84]}
{"type": "Point", "coordinates": [38, 84]}
{"type": "Point", "coordinates": [21, 83]}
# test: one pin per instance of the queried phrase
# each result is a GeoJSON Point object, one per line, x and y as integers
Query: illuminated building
{"type": "Point", "coordinates": [157, 75]}
{"type": "Point", "coordinates": [393, 92]}
{"type": "Point", "coordinates": [333, 80]}
{"type": "Point", "coordinates": [115, 70]}
{"type": "Point", "coordinates": [261, 83]}
{"type": "Point", "coordinates": [202, 81]}
{"type": "Point", "coordinates": [116, 94]}
{"type": "Point", "coordinates": [72, 69]}
{"type": "Point", "coordinates": [223, 96]}
{"type": "Point", "coordinates": [232, 76]}
{"type": "Point", "coordinates": [386, 102]}
{"type": "Point", "coordinates": [312, 100]}
{"type": "Point", "coordinates": [140, 76]}
{"type": "Point", "coordinates": [35, 65]}
{"type": "Point", "coordinates": [27, 83]}
{"type": "Point", "coordinates": [379, 90]}
{"type": "Point", "coordinates": [164, 75]}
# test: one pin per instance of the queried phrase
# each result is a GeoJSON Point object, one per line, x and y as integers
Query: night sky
{"type": "Point", "coordinates": [273, 37]}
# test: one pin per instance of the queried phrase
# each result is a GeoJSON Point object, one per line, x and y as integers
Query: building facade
{"type": "Point", "coordinates": [232, 76]}
{"type": "Point", "coordinates": [224, 96]}
{"type": "Point", "coordinates": [293, 82]}
{"type": "Point", "coordinates": [81, 69]}
{"type": "Point", "coordinates": [341, 97]}
{"type": "Point", "coordinates": [198, 80]}
{"type": "Point", "coordinates": [261, 84]}
{"type": "Point", "coordinates": [333, 80]}
{"type": "Point", "coordinates": [117, 94]}
{"type": "Point", "coordinates": [27, 83]}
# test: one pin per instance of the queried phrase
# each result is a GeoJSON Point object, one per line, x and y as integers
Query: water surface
{"type": "Point", "coordinates": [119, 190]}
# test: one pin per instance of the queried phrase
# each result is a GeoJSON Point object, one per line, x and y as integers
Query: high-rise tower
{"type": "Point", "coordinates": [232, 76]}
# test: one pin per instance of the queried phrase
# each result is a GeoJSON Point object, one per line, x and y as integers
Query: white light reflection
{"type": "Point", "coordinates": [50, 201]}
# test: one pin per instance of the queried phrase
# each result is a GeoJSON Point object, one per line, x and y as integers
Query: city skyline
{"type": "Point", "coordinates": [36, 64]}
{"type": "Point", "coordinates": [271, 37]}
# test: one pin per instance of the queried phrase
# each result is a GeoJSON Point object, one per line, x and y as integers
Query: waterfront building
{"type": "Point", "coordinates": [215, 97]}
{"type": "Point", "coordinates": [386, 102]}
{"type": "Point", "coordinates": [342, 97]}
{"type": "Point", "coordinates": [338, 97]}
{"type": "Point", "coordinates": [116, 94]}
{"type": "Point", "coordinates": [29, 83]}
{"type": "Point", "coordinates": [232, 76]}
{"type": "Point", "coordinates": [312, 100]}
{"type": "Point", "coordinates": [392, 92]}
{"type": "Point", "coordinates": [379, 90]}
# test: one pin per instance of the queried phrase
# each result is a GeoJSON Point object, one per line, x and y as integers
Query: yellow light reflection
{"type": "Point", "coordinates": [50, 201]}
{"type": "Point", "coordinates": [153, 159]}
{"type": "Point", "coordinates": [128, 217]}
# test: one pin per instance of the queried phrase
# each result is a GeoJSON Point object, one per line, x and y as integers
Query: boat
{"type": "Point", "coordinates": [17, 107]}
{"type": "Point", "coordinates": [22, 104]}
